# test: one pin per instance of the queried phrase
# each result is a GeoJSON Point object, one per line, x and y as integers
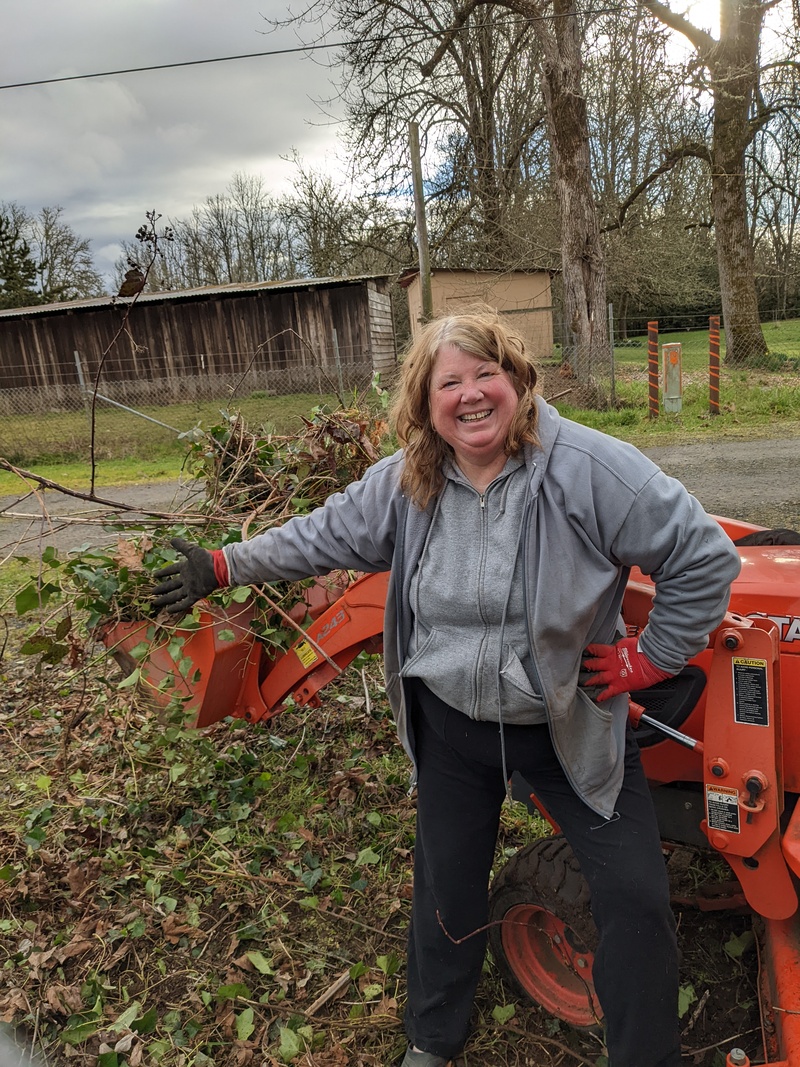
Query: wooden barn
{"type": "Point", "coordinates": [320, 335]}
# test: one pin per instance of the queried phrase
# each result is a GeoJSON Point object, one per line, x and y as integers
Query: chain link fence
{"type": "Point", "coordinates": [621, 370]}
{"type": "Point", "coordinates": [136, 414]}
{"type": "Point", "coordinates": [132, 415]}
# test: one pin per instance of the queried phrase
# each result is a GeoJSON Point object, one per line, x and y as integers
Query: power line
{"type": "Point", "coordinates": [282, 51]}
{"type": "Point", "coordinates": [171, 66]}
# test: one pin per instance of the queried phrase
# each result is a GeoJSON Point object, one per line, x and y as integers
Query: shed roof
{"type": "Point", "coordinates": [407, 276]}
{"type": "Point", "coordinates": [201, 293]}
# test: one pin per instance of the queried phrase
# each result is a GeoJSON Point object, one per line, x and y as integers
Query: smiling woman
{"type": "Point", "coordinates": [508, 533]}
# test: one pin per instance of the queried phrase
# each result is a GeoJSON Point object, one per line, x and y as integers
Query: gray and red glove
{"type": "Point", "coordinates": [622, 668]}
{"type": "Point", "coordinates": [193, 578]}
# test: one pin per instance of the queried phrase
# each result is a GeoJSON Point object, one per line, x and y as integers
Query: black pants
{"type": "Point", "coordinates": [460, 793]}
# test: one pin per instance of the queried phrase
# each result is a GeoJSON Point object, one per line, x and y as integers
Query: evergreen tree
{"type": "Point", "coordinates": [17, 267]}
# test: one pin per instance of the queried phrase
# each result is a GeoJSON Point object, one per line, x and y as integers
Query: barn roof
{"type": "Point", "coordinates": [201, 293]}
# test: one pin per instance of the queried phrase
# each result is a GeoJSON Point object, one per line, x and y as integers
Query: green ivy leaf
{"type": "Point", "coordinates": [737, 946]}
{"type": "Point", "coordinates": [260, 962]}
{"type": "Point", "coordinates": [234, 990]}
{"type": "Point", "coordinates": [126, 1020]}
{"type": "Point", "coordinates": [245, 1024]}
{"type": "Point", "coordinates": [146, 1023]}
{"type": "Point", "coordinates": [34, 596]}
{"type": "Point", "coordinates": [501, 1013]}
{"type": "Point", "coordinates": [76, 1032]}
{"type": "Point", "coordinates": [367, 856]}
{"type": "Point", "coordinates": [133, 679]}
{"type": "Point", "coordinates": [291, 1045]}
{"type": "Point", "coordinates": [686, 997]}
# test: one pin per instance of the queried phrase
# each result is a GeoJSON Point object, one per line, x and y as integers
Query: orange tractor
{"type": "Point", "coordinates": [719, 742]}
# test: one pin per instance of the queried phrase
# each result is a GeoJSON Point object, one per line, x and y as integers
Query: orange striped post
{"type": "Point", "coordinates": [652, 369]}
{"type": "Point", "coordinates": [713, 364]}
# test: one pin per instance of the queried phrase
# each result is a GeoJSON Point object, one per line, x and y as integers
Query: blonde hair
{"type": "Point", "coordinates": [480, 334]}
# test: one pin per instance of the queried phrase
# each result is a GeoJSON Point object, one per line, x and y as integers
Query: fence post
{"type": "Point", "coordinates": [652, 369]}
{"type": "Point", "coordinates": [338, 359]}
{"type": "Point", "coordinates": [82, 384]}
{"type": "Point", "coordinates": [713, 364]}
{"type": "Point", "coordinates": [611, 351]}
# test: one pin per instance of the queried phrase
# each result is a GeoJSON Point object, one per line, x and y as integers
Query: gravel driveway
{"type": "Point", "coordinates": [755, 480]}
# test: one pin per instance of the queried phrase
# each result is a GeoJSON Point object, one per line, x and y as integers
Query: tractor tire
{"type": "Point", "coordinates": [542, 935]}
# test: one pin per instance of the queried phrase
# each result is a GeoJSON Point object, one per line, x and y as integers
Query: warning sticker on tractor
{"type": "Point", "coordinates": [306, 654]}
{"type": "Point", "coordinates": [750, 704]}
{"type": "Point", "coordinates": [722, 808]}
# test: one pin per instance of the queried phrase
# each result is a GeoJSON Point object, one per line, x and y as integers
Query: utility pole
{"type": "Point", "coordinates": [422, 226]}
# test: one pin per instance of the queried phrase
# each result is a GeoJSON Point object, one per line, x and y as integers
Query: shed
{"type": "Point", "coordinates": [315, 335]}
{"type": "Point", "coordinates": [523, 297]}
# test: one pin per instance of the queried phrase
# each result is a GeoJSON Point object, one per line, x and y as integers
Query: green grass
{"type": "Point", "coordinates": [747, 409]}
{"type": "Point", "coordinates": [130, 450]}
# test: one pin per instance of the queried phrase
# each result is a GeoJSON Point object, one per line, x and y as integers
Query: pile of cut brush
{"type": "Point", "coordinates": [253, 479]}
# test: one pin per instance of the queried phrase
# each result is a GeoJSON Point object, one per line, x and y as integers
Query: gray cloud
{"type": "Point", "coordinates": [109, 149]}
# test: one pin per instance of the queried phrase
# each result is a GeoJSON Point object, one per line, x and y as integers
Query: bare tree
{"type": "Point", "coordinates": [655, 219]}
{"type": "Point", "coordinates": [728, 69]}
{"type": "Point", "coordinates": [65, 269]}
{"type": "Point", "coordinates": [478, 107]}
{"type": "Point", "coordinates": [557, 31]}
{"type": "Point", "coordinates": [773, 169]}
{"type": "Point", "coordinates": [235, 236]}
{"type": "Point", "coordinates": [333, 232]}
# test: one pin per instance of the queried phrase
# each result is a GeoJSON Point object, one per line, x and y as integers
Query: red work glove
{"type": "Point", "coordinates": [622, 668]}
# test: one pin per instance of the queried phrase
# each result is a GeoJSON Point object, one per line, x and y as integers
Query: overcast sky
{"type": "Point", "coordinates": [109, 149]}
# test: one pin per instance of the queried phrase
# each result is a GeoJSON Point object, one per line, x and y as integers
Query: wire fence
{"type": "Point", "coordinates": [761, 355]}
{"type": "Point", "coordinates": [141, 416]}
{"type": "Point", "coordinates": [135, 413]}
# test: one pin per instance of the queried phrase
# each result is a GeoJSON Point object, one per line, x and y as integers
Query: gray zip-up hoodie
{"type": "Point", "coordinates": [596, 507]}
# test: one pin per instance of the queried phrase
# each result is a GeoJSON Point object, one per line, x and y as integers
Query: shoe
{"type": "Point", "coordinates": [422, 1059]}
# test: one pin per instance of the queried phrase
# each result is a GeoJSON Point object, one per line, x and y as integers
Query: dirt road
{"type": "Point", "coordinates": [757, 480]}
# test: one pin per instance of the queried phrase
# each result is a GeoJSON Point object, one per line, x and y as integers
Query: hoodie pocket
{"type": "Point", "coordinates": [514, 674]}
{"type": "Point", "coordinates": [588, 743]}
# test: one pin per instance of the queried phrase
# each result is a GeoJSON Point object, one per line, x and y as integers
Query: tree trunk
{"type": "Point", "coordinates": [582, 260]}
{"type": "Point", "coordinates": [744, 338]}
{"type": "Point", "coordinates": [585, 343]}
{"type": "Point", "coordinates": [732, 63]}
{"type": "Point", "coordinates": [734, 70]}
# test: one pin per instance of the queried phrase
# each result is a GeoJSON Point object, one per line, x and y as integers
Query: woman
{"type": "Point", "coordinates": [509, 533]}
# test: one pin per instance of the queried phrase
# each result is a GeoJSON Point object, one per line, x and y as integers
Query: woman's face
{"type": "Point", "coordinates": [472, 403]}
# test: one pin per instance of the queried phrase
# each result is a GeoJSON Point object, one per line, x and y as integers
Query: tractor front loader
{"type": "Point", "coordinates": [720, 745]}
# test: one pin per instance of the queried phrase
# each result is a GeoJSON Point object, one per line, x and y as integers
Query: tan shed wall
{"type": "Point", "coordinates": [524, 298]}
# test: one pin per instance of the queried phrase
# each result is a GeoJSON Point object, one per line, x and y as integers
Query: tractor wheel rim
{"type": "Point", "coordinates": [542, 952]}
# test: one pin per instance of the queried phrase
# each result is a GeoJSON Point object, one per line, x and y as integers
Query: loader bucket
{"type": "Point", "coordinates": [207, 665]}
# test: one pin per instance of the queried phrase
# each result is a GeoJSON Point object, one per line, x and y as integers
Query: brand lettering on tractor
{"type": "Point", "coordinates": [338, 618]}
{"type": "Point", "coordinates": [789, 625]}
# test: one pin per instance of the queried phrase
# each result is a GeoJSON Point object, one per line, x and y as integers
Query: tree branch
{"type": "Point", "coordinates": [691, 150]}
{"type": "Point", "coordinates": [701, 39]}
{"type": "Point", "coordinates": [426, 69]}
{"type": "Point", "coordinates": [91, 497]}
